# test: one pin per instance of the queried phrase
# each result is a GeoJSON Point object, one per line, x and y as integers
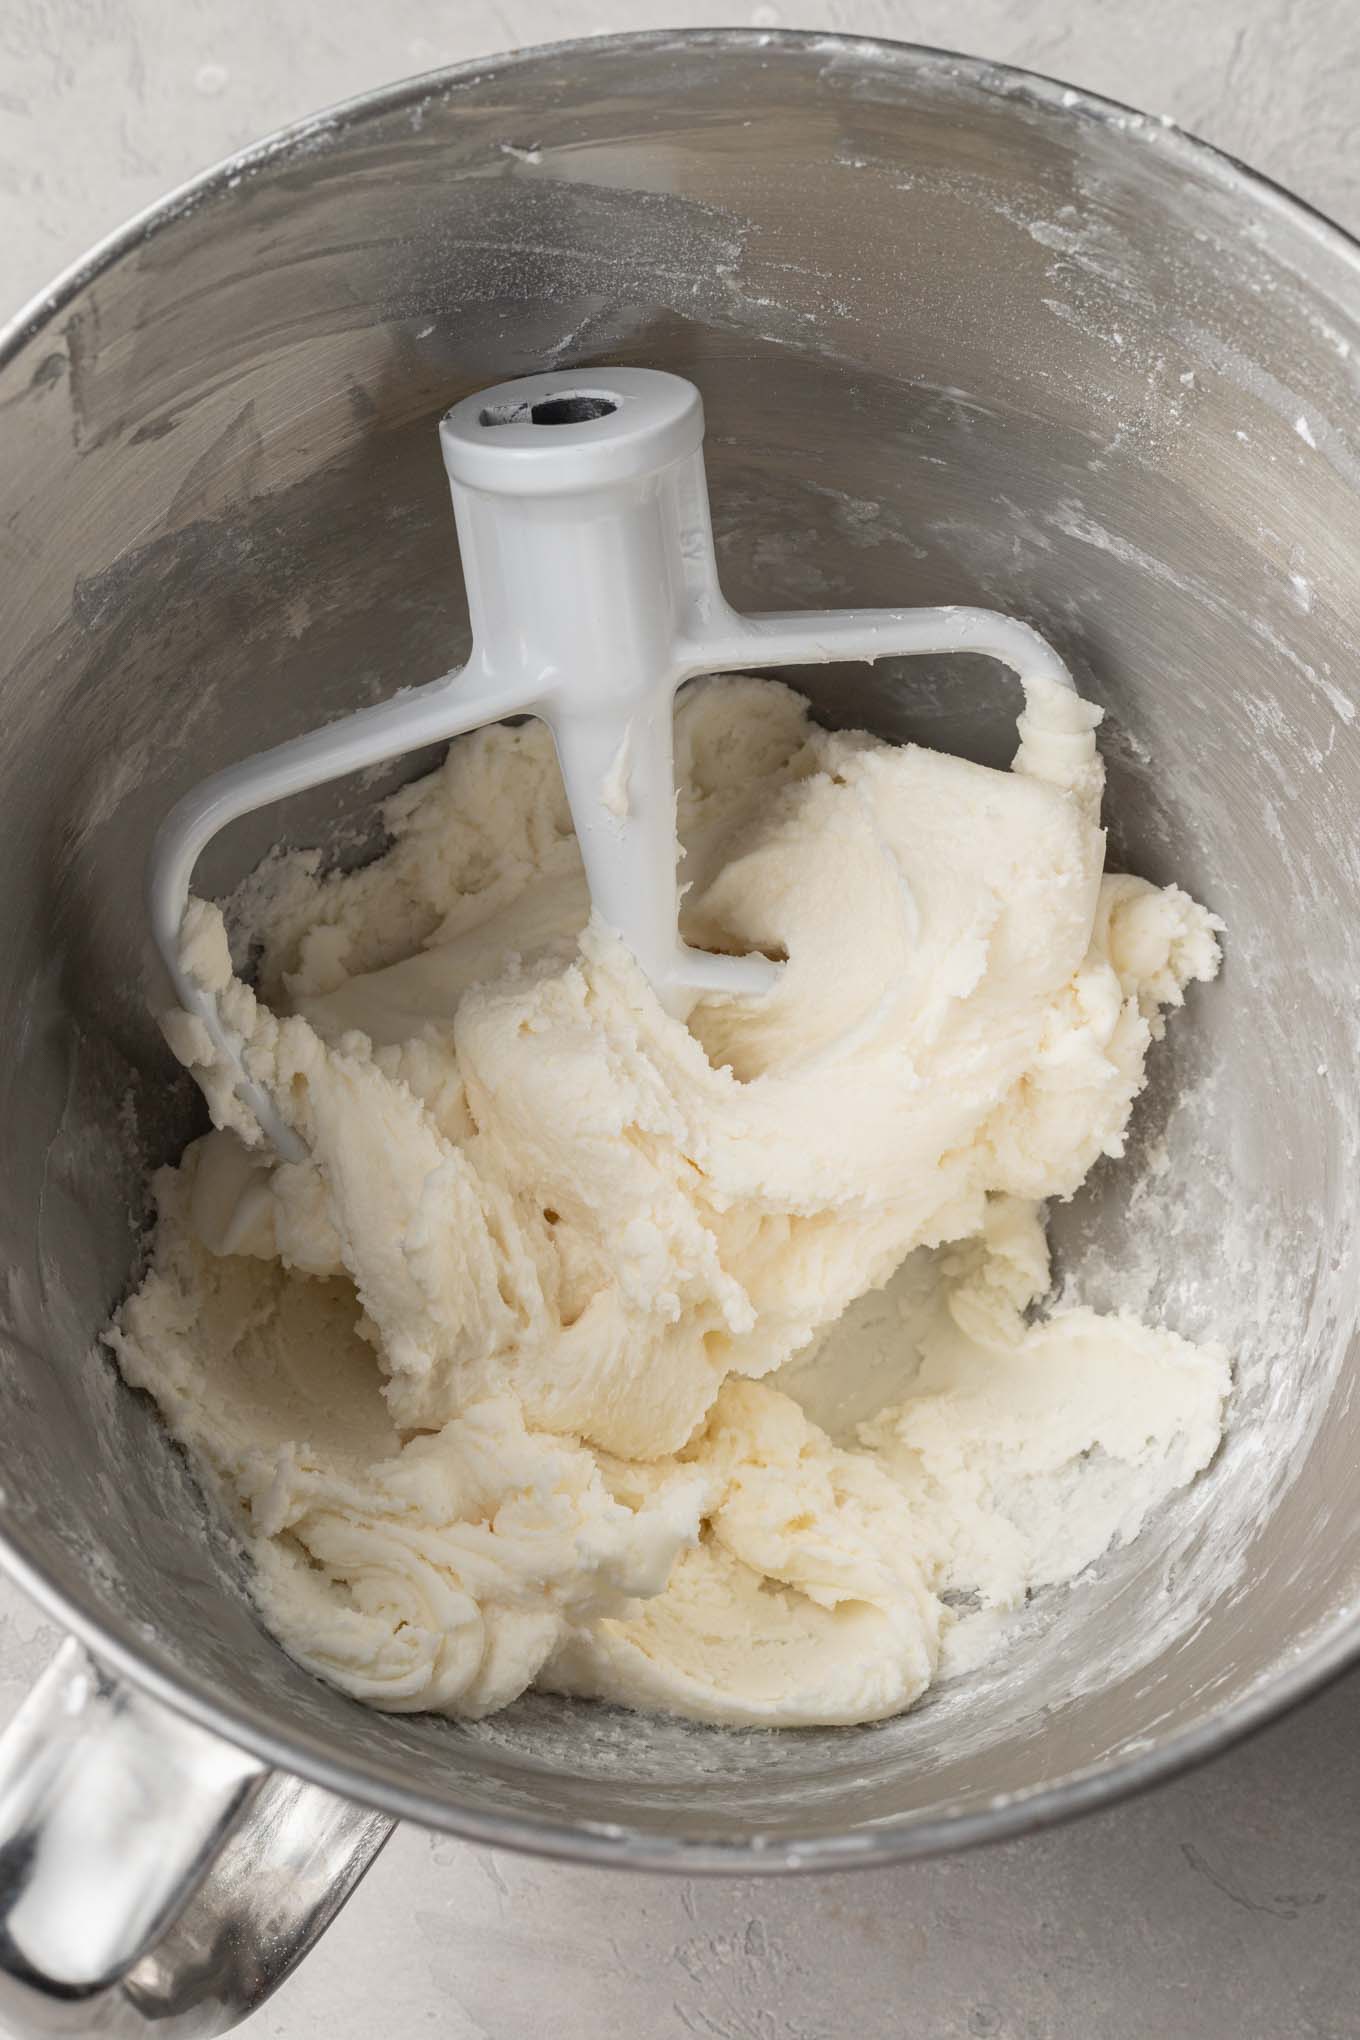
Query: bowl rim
{"type": "Point", "coordinates": [1335, 1645]}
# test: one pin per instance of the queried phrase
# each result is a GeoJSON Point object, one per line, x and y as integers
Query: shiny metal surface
{"type": "Point", "coordinates": [961, 337]}
{"type": "Point", "coordinates": [153, 1878]}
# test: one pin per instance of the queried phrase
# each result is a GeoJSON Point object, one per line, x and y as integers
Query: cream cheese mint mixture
{"type": "Point", "coordinates": [508, 1383]}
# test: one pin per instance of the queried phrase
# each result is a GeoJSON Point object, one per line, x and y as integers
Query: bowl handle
{"type": "Point", "coordinates": [153, 1878]}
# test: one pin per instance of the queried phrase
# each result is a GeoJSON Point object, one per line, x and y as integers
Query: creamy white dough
{"type": "Point", "coordinates": [492, 1382]}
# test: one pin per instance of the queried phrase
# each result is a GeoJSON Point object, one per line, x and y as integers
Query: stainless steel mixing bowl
{"type": "Point", "coordinates": [962, 336]}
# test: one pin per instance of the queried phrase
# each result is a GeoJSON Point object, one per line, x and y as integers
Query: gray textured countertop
{"type": "Point", "coordinates": [1223, 1907]}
